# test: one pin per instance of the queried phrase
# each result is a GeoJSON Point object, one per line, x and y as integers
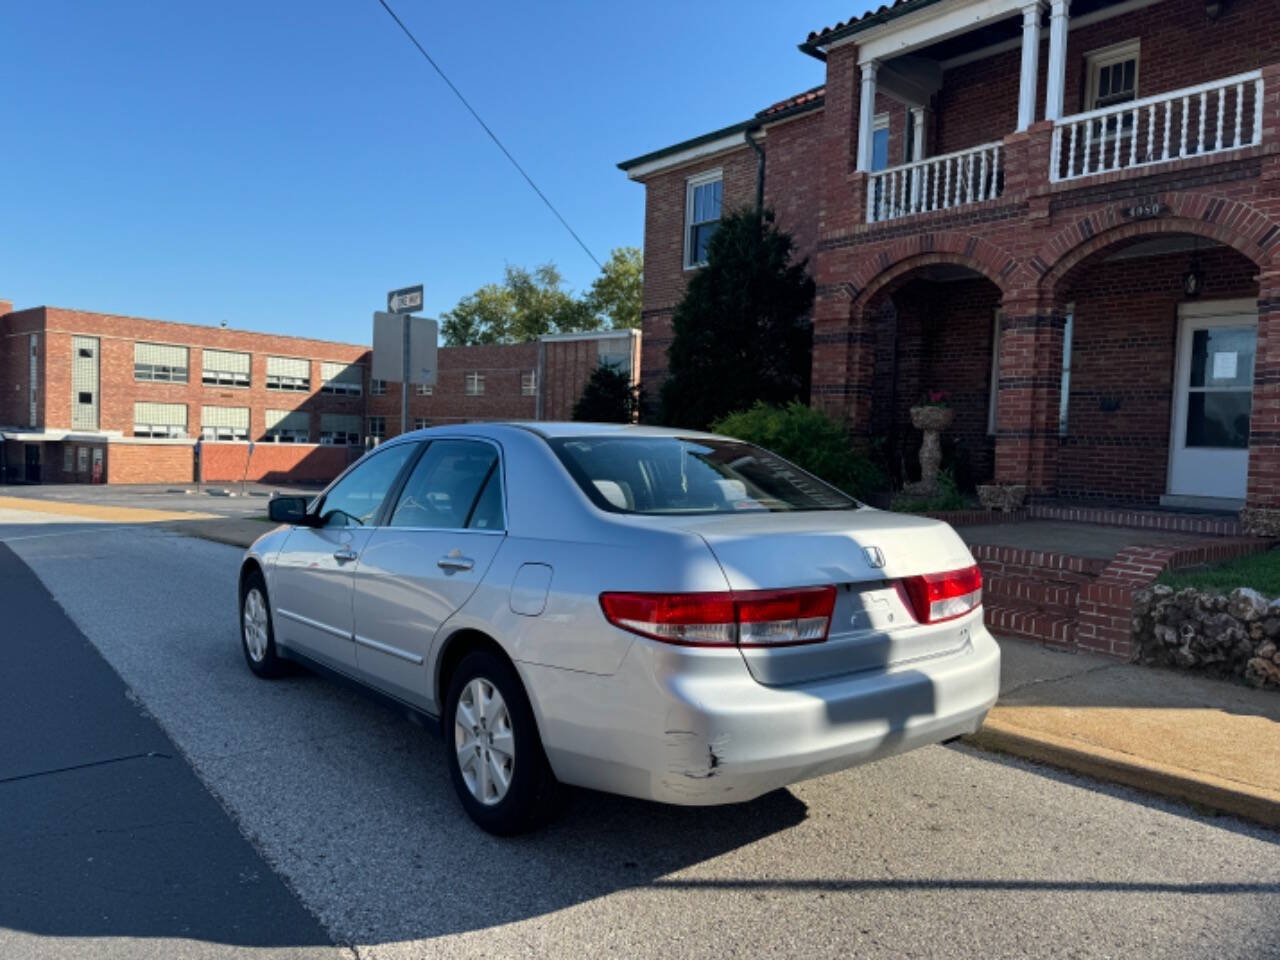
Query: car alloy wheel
{"type": "Point", "coordinates": [484, 741]}
{"type": "Point", "coordinates": [255, 625]}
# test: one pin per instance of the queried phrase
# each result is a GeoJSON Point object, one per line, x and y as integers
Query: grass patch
{"type": "Point", "coordinates": [1261, 571]}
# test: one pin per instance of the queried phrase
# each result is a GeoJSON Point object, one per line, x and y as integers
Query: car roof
{"type": "Point", "coordinates": [550, 429]}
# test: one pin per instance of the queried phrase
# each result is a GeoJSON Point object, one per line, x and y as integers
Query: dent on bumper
{"type": "Point", "coordinates": [708, 733]}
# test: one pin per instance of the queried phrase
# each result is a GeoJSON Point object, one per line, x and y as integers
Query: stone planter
{"type": "Point", "coordinates": [1003, 497]}
{"type": "Point", "coordinates": [931, 420]}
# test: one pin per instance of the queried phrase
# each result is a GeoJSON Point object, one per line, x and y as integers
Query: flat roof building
{"type": "Point", "coordinates": [92, 397]}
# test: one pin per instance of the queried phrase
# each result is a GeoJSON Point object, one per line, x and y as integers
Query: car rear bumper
{"type": "Point", "coordinates": [689, 726]}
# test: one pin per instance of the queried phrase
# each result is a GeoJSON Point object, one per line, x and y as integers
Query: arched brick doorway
{"type": "Point", "coordinates": [928, 325]}
{"type": "Point", "coordinates": [1156, 381]}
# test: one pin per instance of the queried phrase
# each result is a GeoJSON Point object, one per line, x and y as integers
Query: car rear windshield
{"type": "Point", "coordinates": [665, 475]}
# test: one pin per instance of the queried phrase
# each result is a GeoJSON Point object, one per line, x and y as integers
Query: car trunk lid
{"type": "Point", "coordinates": [864, 554]}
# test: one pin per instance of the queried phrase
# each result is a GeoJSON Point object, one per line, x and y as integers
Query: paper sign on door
{"type": "Point", "coordinates": [1224, 365]}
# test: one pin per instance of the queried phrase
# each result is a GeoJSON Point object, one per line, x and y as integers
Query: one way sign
{"type": "Point", "coordinates": [405, 300]}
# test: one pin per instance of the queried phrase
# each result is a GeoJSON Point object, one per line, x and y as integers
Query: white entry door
{"type": "Point", "coordinates": [1213, 395]}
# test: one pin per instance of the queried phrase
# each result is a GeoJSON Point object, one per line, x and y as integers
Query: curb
{"type": "Point", "coordinates": [1102, 763]}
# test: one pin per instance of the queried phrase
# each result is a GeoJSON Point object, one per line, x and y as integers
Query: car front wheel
{"type": "Point", "coordinates": [257, 635]}
{"type": "Point", "coordinates": [495, 756]}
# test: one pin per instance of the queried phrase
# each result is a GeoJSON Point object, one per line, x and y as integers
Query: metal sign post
{"type": "Point", "coordinates": [404, 346]}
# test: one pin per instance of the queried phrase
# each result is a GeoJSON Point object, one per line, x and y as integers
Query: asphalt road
{"type": "Point", "coordinates": [250, 500]}
{"type": "Point", "coordinates": [943, 852]}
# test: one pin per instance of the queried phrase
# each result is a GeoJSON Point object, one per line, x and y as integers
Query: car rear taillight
{"type": "Point", "coordinates": [749, 618]}
{"type": "Point", "coordinates": [944, 596]}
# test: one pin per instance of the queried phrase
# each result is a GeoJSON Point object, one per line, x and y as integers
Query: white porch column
{"type": "Point", "coordinates": [867, 114]}
{"type": "Point", "coordinates": [1030, 65]}
{"type": "Point", "coordinates": [1057, 59]}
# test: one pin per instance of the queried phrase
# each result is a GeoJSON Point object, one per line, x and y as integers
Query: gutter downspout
{"type": "Point", "coordinates": [746, 134]}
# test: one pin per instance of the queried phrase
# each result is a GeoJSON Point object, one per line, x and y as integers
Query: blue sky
{"type": "Point", "coordinates": [280, 164]}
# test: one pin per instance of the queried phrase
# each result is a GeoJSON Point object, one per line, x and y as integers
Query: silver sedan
{"type": "Point", "coordinates": [660, 613]}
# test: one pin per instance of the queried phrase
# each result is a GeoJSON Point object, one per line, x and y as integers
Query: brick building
{"type": "Point", "coordinates": [89, 397]}
{"type": "Point", "coordinates": [1065, 214]}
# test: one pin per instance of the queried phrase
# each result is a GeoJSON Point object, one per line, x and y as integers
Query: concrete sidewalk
{"type": "Point", "coordinates": [1210, 742]}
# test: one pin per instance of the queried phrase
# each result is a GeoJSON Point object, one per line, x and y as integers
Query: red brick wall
{"type": "Point", "coordinates": [148, 463]}
{"type": "Point", "coordinates": [15, 368]}
{"type": "Point", "coordinates": [502, 366]}
{"type": "Point", "coordinates": [792, 190]}
{"type": "Point", "coordinates": [272, 462]}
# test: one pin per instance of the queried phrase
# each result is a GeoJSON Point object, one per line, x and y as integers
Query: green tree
{"type": "Point", "coordinates": [526, 305]}
{"type": "Point", "coordinates": [615, 294]}
{"type": "Point", "coordinates": [741, 333]}
{"type": "Point", "coordinates": [608, 397]}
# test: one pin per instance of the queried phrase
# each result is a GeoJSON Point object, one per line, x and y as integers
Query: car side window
{"type": "Point", "coordinates": [355, 499]}
{"type": "Point", "coordinates": [449, 486]}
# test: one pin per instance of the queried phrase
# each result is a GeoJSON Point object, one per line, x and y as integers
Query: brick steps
{"type": "Point", "coordinates": [1027, 623]}
{"type": "Point", "coordinates": [1056, 598]}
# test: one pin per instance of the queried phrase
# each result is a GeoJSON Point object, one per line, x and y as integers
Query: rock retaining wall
{"type": "Point", "coordinates": [1234, 635]}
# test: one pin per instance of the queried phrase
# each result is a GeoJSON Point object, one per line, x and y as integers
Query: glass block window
{"type": "Point", "coordinates": [159, 419]}
{"type": "Point", "coordinates": [224, 423]}
{"type": "Point", "coordinates": [84, 383]}
{"type": "Point", "coordinates": [224, 368]}
{"type": "Point", "coordinates": [529, 383]}
{"type": "Point", "coordinates": [473, 386]}
{"type": "Point", "coordinates": [289, 373]}
{"type": "Point", "coordinates": [288, 426]}
{"type": "Point", "coordinates": [160, 363]}
{"type": "Point", "coordinates": [344, 379]}
{"type": "Point", "coordinates": [340, 429]}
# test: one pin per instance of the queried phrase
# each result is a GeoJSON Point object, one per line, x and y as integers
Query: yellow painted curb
{"type": "Point", "coordinates": [94, 511]}
{"type": "Point", "coordinates": [1204, 789]}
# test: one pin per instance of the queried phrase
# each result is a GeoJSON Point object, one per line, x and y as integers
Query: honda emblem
{"type": "Point", "coordinates": [875, 559]}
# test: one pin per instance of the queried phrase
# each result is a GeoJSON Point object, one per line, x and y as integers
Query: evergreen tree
{"type": "Point", "coordinates": [741, 333]}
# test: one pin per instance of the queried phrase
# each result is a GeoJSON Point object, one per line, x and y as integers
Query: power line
{"type": "Point", "coordinates": [492, 136]}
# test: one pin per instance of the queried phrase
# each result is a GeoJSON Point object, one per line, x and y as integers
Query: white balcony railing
{"type": "Point", "coordinates": [935, 183]}
{"type": "Point", "coordinates": [1192, 122]}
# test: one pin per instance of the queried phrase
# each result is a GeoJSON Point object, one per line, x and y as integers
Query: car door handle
{"type": "Point", "coordinates": [343, 554]}
{"type": "Point", "coordinates": [451, 562]}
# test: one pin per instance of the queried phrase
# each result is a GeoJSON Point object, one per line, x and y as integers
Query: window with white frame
{"type": "Point", "coordinates": [159, 419]}
{"type": "Point", "coordinates": [1064, 389]}
{"type": "Point", "coordinates": [377, 387]}
{"type": "Point", "coordinates": [473, 385]}
{"type": "Point", "coordinates": [224, 423]}
{"type": "Point", "coordinates": [703, 194]}
{"type": "Point", "coordinates": [993, 397]}
{"type": "Point", "coordinates": [421, 423]}
{"type": "Point", "coordinates": [160, 363]}
{"type": "Point", "coordinates": [340, 429]}
{"type": "Point", "coordinates": [880, 142]}
{"type": "Point", "coordinates": [224, 368]}
{"type": "Point", "coordinates": [288, 426]}
{"type": "Point", "coordinates": [1112, 76]}
{"type": "Point", "coordinates": [344, 379]}
{"type": "Point", "coordinates": [378, 428]}
{"type": "Point", "coordinates": [529, 383]}
{"type": "Point", "coordinates": [289, 373]}
{"type": "Point", "coordinates": [424, 389]}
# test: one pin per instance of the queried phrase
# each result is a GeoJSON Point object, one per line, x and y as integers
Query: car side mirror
{"type": "Point", "coordinates": [289, 510]}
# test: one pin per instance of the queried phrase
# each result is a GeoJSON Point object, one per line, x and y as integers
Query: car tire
{"type": "Point", "coordinates": [257, 634]}
{"type": "Point", "coordinates": [493, 750]}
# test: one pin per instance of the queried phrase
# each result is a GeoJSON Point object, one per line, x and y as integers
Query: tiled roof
{"type": "Point", "coordinates": [808, 98]}
{"type": "Point", "coordinates": [854, 24]}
